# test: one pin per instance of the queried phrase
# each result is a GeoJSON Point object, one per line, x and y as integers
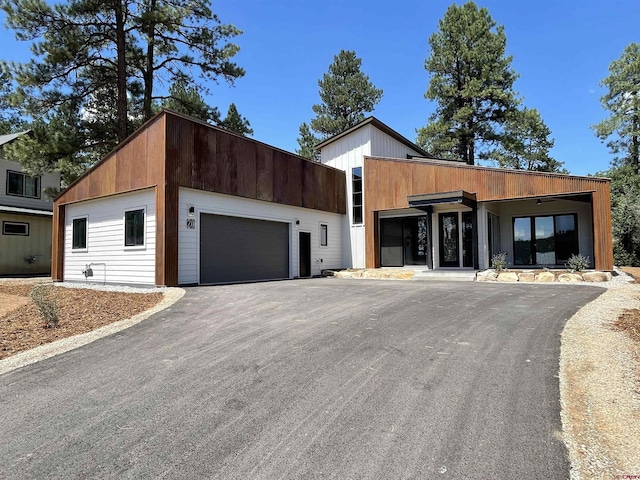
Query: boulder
{"type": "Point", "coordinates": [596, 276]}
{"type": "Point", "coordinates": [486, 276]}
{"type": "Point", "coordinates": [569, 278]}
{"type": "Point", "coordinates": [527, 277]}
{"type": "Point", "coordinates": [507, 277]}
{"type": "Point", "coordinates": [545, 277]}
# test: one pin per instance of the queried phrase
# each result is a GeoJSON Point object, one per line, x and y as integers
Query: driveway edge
{"type": "Point", "coordinates": [170, 296]}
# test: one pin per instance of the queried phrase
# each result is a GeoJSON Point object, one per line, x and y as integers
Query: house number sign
{"type": "Point", "coordinates": [191, 223]}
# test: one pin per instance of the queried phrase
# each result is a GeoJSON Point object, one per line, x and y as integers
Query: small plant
{"type": "Point", "coordinates": [499, 262]}
{"type": "Point", "coordinates": [578, 263]}
{"type": "Point", "coordinates": [44, 298]}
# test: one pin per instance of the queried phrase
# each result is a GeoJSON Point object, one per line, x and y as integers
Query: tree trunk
{"type": "Point", "coordinates": [148, 74]}
{"type": "Point", "coordinates": [122, 105]}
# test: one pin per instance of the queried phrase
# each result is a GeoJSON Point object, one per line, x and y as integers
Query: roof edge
{"type": "Point", "coordinates": [380, 126]}
{"type": "Point", "coordinates": [448, 163]}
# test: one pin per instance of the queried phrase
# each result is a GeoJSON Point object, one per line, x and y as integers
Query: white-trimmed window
{"type": "Point", "coordinates": [15, 228]}
{"type": "Point", "coordinates": [79, 233]}
{"type": "Point", "coordinates": [134, 228]}
{"type": "Point", "coordinates": [22, 185]}
{"type": "Point", "coordinates": [324, 238]}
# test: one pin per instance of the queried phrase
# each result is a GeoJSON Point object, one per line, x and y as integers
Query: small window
{"type": "Point", "coordinates": [323, 235]}
{"type": "Point", "coordinates": [134, 228]}
{"type": "Point", "coordinates": [15, 228]}
{"type": "Point", "coordinates": [22, 185]}
{"type": "Point", "coordinates": [79, 233]}
{"type": "Point", "coordinates": [357, 195]}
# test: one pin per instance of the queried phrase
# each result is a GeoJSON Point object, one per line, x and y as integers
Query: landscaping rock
{"type": "Point", "coordinates": [507, 277]}
{"type": "Point", "coordinates": [597, 276]}
{"type": "Point", "coordinates": [545, 277]}
{"type": "Point", "coordinates": [527, 277]}
{"type": "Point", "coordinates": [569, 278]}
{"type": "Point", "coordinates": [486, 276]}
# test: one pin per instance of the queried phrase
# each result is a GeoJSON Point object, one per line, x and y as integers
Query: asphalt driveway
{"type": "Point", "coordinates": [322, 378]}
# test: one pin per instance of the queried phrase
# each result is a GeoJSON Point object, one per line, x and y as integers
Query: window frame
{"type": "Point", "coordinates": [9, 222]}
{"type": "Point", "coordinates": [136, 246]}
{"type": "Point", "coordinates": [532, 235]}
{"type": "Point", "coordinates": [324, 227]}
{"type": "Point", "coordinates": [359, 207]}
{"type": "Point", "coordinates": [86, 234]}
{"type": "Point", "coordinates": [24, 177]}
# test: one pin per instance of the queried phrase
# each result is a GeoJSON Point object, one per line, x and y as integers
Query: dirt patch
{"type": "Point", "coordinates": [9, 303]}
{"type": "Point", "coordinates": [79, 311]}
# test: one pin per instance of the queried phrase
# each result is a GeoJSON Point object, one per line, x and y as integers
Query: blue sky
{"type": "Point", "coordinates": [561, 49]}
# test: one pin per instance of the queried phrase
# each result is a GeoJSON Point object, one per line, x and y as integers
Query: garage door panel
{"type": "Point", "coordinates": [236, 249]}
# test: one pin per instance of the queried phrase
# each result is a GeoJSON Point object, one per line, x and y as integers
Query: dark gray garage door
{"type": "Point", "coordinates": [235, 249]}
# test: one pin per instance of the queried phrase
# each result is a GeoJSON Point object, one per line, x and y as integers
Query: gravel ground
{"type": "Point", "coordinates": [599, 387]}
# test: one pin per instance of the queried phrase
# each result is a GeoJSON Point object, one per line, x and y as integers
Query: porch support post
{"type": "Point", "coordinates": [376, 240]}
{"type": "Point", "coordinates": [474, 227]}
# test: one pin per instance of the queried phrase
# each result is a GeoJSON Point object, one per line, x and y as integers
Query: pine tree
{"type": "Point", "coordinates": [105, 59]}
{"type": "Point", "coordinates": [236, 122]}
{"type": "Point", "coordinates": [622, 101]}
{"type": "Point", "coordinates": [307, 142]}
{"type": "Point", "coordinates": [525, 144]}
{"type": "Point", "coordinates": [346, 94]}
{"type": "Point", "coordinates": [471, 83]}
{"type": "Point", "coordinates": [185, 98]}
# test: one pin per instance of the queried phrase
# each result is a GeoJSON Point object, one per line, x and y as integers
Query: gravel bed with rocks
{"type": "Point", "coordinates": [600, 387]}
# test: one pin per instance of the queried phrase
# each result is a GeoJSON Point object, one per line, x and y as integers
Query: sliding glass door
{"type": "Point", "coordinates": [544, 240]}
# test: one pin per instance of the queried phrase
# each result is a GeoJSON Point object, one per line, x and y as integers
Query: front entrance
{"type": "Point", "coordinates": [449, 247]}
{"type": "Point", "coordinates": [404, 241]}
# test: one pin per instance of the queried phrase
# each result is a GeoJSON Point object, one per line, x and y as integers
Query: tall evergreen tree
{"type": "Point", "coordinates": [185, 98]}
{"type": "Point", "coordinates": [622, 101]}
{"type": "Point", "coordinates": [236, 122]}
{"type": "Point", "coordinates": [307, 142]}
{"type": "Point", "coordinates": [106, 58]}
{"type": "Point", "coordinates": [471, 83]}
{"type": "Point", "coordinates": [346, 94]}
{"type": "Point", "coordinates": [525, 144]}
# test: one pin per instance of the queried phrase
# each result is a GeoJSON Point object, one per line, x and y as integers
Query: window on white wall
{"type": "Point", "coordinates": [356, 183]}
{"type": "Point", "coordinates": [15, 228]}
{"type": "Point", "coordinates": [324, 241]}
{"type": "Point", "coordinates": [79, 233]}
{"type": "Point", "coordinates": [22, 185]}
{"type": "Point", "coordinates": [134, 228]}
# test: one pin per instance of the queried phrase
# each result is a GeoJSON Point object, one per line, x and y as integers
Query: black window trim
{"type": "Point", "coordinates": [359, 206]}
{"type": "Point", "coordinates": [24, 176]}
{"type": "Point", "coordinates": [86, 233]}
{"type": "Point", "coordinates": [532, 220]}
{"type": "Point", "coordinates": [325, 227]}
{"type": "Point", "coordinates": [136, 246]}
{"type": "Point", "coordinates": [9, 222]}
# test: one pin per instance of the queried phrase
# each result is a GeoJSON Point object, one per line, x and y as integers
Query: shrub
{"type": "Point", "coordinates": [578, 263]}
{"type": "Point", "coordinates": [499, 262]}
{"type": "Point", "coordinates": [44, 298]}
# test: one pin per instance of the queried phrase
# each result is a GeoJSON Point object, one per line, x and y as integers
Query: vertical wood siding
{"type": "Point", "coordinates": [388, 182]}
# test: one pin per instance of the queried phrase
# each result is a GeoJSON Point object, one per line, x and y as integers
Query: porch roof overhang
{"type": "Point", "coordinates": [430, 199]}
{"type": "Point", "coordinates": [26, 211]}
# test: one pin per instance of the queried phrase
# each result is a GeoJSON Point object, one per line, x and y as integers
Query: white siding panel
{"type": "Point", "coordinates": [105, 240]}
{"type": "Point", "coordinates": [215, 203]}
{"type": "Point", "coordinates": [383, 145]}
{"type": "Point", "coordinates": [48, 180]}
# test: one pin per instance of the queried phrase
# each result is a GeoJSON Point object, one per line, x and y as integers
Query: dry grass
{"type": "Point", "coordinates": [79, 311]}
{"type": "Point", "coordinates": [633, 271]}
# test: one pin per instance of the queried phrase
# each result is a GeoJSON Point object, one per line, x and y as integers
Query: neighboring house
{"type": "Point", "coordinates": [25, 215]}
{"type": "Point", "coordinates": [182, 202]}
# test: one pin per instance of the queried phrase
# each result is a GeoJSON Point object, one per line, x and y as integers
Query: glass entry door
{"type": "Point", "coordinates": [449, 244]}
{"type": "Point", "coordinates": [544, 240]}
{"type": "Point", "coordinates": [404, 241]}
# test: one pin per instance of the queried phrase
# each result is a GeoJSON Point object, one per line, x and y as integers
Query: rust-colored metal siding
{"type": "Point", "coordinates": [388, 182]}
{"type": "Point", "coordinates": [172, 151]}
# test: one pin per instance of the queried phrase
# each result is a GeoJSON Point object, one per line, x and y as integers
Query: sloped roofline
{"type": "Point", "coordinates": [4, 139]}
{"type": "Point", "coordinates": [380, 126]}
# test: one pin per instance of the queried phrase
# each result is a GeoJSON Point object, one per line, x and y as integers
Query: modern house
{"type": "Point", "coordinates": [25, 215]}
{"type": "Point", "coordinates": [182, 202]}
